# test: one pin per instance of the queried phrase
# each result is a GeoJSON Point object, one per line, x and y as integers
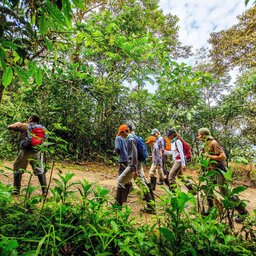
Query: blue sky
{"type": "Point", "coordinates": [198, 18]}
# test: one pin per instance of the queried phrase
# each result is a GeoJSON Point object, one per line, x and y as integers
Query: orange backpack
{"type": "Point", "coordinates": [167, 144]}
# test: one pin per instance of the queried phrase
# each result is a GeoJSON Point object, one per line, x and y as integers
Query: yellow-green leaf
{"type": "Point", "coordinates": [7, 76]}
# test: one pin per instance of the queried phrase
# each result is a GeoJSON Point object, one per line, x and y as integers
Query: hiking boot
{"type": "Point", "coordinates": [239, 219]}
{"type": "Point", "coordinates": [17, 183]}
{"type": "Point", "coordinates": [160, 182]}
{"type": "Point", "coordinates": [43, 183]}
{"type": "Point", "coordinates": [153, 183]}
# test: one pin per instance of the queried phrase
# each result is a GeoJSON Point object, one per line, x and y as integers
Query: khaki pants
{"type": "Point", "coordinates": [25, 157]}
{"type": "Point", "coordinates": [159, 169]}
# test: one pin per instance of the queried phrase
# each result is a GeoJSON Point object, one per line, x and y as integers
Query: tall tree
{"type": "Point", "coordinates": [236, 46]}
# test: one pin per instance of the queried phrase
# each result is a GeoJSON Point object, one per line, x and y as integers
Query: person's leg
{"type": "Point", "coordinates": [123, 179]}
{"type": "Point", "coordinates": [128, 186]}
{"type": "Point", "coordinates": [152, 174]}
{"type": "Point", "coordinates": [20, 164]}
{"type": "Point", "coordinates": [38, 169]}
{"type": "Point", "coordinates": [147, 191]}
{"type": "Point", "coordinates": [240, 206]}
{"type": "Point", "coordinates": [174, 172]}
{"type": "Point", "coordinates": [210, 194]}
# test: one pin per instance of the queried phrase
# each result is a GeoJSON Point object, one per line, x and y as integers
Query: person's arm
{"type": "Point", "coordinates": [218, 154]}
{"type": "Point", "coordinates": [18, 126]}
{"type": "Point", "coordinates": [117, 145]}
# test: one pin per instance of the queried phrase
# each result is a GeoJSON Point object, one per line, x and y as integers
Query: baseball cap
{"type": "Point", "coordinates": [170, 132]}
{"type": "Point", "coordinates": [150, 139]}
{"type": "Point", "coordinates": [122, 128]}
{"type": "Point", "coordinates": [154, 131]}
{"type": "Point", "coordinates": [204, 131]}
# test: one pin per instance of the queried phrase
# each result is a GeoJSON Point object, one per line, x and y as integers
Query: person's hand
{"type": "Point", "coordinates": [206, 155]}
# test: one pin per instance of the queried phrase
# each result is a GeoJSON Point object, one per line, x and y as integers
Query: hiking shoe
{"type": "Point", "coordinates": [160, 182]}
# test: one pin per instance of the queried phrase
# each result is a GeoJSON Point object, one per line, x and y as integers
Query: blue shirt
{"type": "Point", "coordinates": [121, 147]}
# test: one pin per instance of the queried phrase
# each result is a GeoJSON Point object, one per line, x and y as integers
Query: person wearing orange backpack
{"type": "Point", "coordinates": [31, 133]}
{"type": "Point", "coordinates": [179, 159]}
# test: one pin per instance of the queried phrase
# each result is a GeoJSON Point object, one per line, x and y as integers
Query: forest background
{"type": "Point", "coordinates": [84, 67]}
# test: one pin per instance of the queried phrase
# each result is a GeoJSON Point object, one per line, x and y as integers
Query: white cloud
{"type": "Point", "coordinates": [199, 18]}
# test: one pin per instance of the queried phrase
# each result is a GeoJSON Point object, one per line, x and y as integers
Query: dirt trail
{"type": "Point", "coordinates": [105, 176]}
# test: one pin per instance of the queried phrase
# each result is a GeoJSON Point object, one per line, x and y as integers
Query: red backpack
{"type": "Point", "coordinates": [36, 134]}
{"type": "Point", "coordinates": [186, 150]}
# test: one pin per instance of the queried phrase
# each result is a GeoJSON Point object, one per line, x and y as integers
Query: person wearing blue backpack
{"type": "Point", "coordinates": [121, 150]}
{"type": "Point", "coordinates": [136, 155]}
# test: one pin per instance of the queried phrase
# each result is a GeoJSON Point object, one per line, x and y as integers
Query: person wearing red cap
{"type": "Point", "coordinates": [156, 162]}
{"type": "Point", "coordinates": [160, 141]}
{"type": "Point", "coordinates": [134, 169]}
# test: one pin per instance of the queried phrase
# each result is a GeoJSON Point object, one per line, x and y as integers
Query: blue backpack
{"type": "Point", "coordinates": [142, 148]}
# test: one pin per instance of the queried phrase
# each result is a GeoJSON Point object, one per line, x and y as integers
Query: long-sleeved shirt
{"type": "Point", "coordinates": [132, 151]}
{"type": "Point", "coordinates": [121, 148]}
{"type": "Point", "coordinates": [160, 142]}
{"type": "Point", "coordinates": [177, 151]}
{"type": "Point", "coordinates": [156, 157]}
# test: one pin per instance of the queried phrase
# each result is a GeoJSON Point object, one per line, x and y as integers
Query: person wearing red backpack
{"type": "Point", "coordinates": [32, 134]}
{"type": "Point", "coordinates": [179, 159]}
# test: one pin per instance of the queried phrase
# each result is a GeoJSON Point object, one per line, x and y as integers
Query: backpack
{"type": "Point", "coordinates": [36, 134]}
{"type": "Point", "coordinates": [186, 150]}
{"type": "Point", "coordinates": [167, 144]}
{"type": "Point", "coordinates": [142, 148]}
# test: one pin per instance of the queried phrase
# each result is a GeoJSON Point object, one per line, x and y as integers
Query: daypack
{"type": "Point", "coordinates": [36, 134]}
{"type": "Point", "coordinates": [167, 144]}
{"type": "Point", "coordinates": [186, 150]}
{"type": "Point", "coordinates": [142, 148]}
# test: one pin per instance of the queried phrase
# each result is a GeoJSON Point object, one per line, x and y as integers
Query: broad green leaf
{"type": "Point", "coordinates": [32, 69]}
{"type": "Point", "coordinates": [7, 76]}
{"type": "Point", "coordinates": [238, 190]}
{"type": "Point", "coordinates": [56, 15]}
{"type": "Point", "coordinates": [22, 74]}
{"type": "Point", "coordinates": [39, 76]}
{"type": "Point", "coordinates": [49, 45]}
{"type": "Point", "coordinates": [79, 3]}
{"type": "Point", "coordinates": [9, 44]}
{"type": "Point", "coordinates": [42, 25]}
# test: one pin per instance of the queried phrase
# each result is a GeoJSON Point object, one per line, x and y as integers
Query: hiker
{"type": "Point", "coordinates": [121, 150]}
{"type": "Point", "coordinates": [160, 141]}
{"type": "Point", "coordinates": [179, 159]}
{"type": "Point", "coordinates": [133, 170]}
{"type": "Point", "coordinates": [27, 154]}
{"type": "Point", "coordinates": [156, 163]}
{"type": "Point", "coordinates": [212, 150]}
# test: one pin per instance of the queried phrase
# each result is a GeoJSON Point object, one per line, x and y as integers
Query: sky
{"type": "Point", "coordinates": [198, 18]}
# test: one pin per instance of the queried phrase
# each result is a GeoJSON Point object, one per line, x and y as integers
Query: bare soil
{"type": "Point", "coordinates": [106, 176]}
